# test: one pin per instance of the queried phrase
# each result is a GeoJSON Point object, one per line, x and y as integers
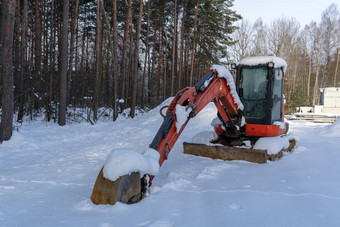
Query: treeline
{"type": "Point", "coordinates": [312, 52]}
{"type": "Point", "coordinates": [113, 54]}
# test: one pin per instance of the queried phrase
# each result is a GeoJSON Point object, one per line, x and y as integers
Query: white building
{"type": "Point", "coordinates": [330, 100]}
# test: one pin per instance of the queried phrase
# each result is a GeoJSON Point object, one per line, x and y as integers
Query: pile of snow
{"type": "Point", "coordinates": [204, 137]}
{"type": "Point", "coordinates": [223, 72]}
{"type": "Point", "coordinates": [216, 122]}
{"type": "Point", "coordinates": [273, 145]}
{"type": "Point", "coordinates": [332, 130]}
{"type": "Point", "coordinates": [123, 161]}
{"type": "Point", "coordinates": [262, 60]}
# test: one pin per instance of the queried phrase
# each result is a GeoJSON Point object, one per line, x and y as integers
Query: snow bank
{"type": "Point", "coordinates": [262, 60]}
{"type": "Point", "coordinates": [124, 161]}
{"type": "Point", "coordinates": [204, 137]}
{"type": "Point", "coordinates": [182, 114]}
{"type": "Point", "coordinates": [273, 145]}
{"type": "Point", "coordinates": [216, 122]}
{"type": "Point", "coordinates": [332, 130]}
{"type": "Point", "coordinates": [223, 72]}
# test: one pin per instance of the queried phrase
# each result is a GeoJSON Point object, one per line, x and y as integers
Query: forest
{"type": "Point", "coordinates": [107, 56]}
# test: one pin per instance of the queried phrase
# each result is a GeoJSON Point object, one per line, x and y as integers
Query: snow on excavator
{"type": "Point", "coordinates": [249, 125]}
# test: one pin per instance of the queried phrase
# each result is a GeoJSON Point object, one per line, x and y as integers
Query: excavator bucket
{"type": "Point", "coordinates": [234, 153]}
{"type": "Point", "coordinates": [126, 189]}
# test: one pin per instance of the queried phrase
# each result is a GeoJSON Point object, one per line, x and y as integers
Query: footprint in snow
{"type": "Point", "coordinates": [106, 225]}
{"type": "Point", "coordinates": [235, 206]}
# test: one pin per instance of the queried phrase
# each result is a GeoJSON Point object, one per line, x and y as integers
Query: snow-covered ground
{"type": "Point", "coordinates": [47, 173]}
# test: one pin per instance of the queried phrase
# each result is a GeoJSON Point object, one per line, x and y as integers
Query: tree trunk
{"type": "Point", "coordinates": [129, 71]}
{"type": "Point", "coordinates": [70, 64]}
{"type": "Point", "coordinates": [16, 49]}
{"type": "Point", "coordinates": [63, 67]}
{"type": "Point", "coordinates": [174, 47]}
{"type": "Point", "coordinates": [52, 57]}
{"type": "Point", "coordinates": [125, 47]}
{"type": "Point", "coordinates": [98, 63]}
{"type": "Point", "coordinates": [152, 79]}
{"type": "Point", "coordinates": [336, 66]}
{"type": "Point", "coordinates": [318, 65]}
{"type": "Point", "coordinates": [146, 57]}
{"type": "Point", "coordinates": [159, 66]}
{"type": "Point", "coordinates": [38, 37]}
{"type": "Point", "coordinates": [7, 102]}
{"type": "Point", "coordinates": [165, 65]}
{"type": "Point", "coordinates": [114, 60]}
{"type": "Point", "coordinates": [193, 46]}
{"type": "Point", "coordinates": [309, 74]}
{"type": "Point", "coordinates": [135, 67]}
{"type": "Point", "coordinates": [181, 53]}
{"type": "Point", "coordinates": [23, 62]}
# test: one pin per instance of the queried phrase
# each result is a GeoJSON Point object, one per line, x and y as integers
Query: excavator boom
{"type": "Point", "coordinates": [194, 99]}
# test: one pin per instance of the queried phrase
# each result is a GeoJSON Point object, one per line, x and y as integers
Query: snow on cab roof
{"type": "Point", "coordinates": [259, 60]}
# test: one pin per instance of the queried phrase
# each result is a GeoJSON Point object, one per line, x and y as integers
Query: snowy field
{"type": "Point", "coordinates": [47, 174]}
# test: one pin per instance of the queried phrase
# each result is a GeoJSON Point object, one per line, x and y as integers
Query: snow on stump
{"type": "Point", "coordinates": [120, 178]}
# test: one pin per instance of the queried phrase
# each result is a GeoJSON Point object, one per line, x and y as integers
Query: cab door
{"type": "Point", "coordinates": [253, 85]}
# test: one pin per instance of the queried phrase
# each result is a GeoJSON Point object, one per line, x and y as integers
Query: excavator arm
{"type": "Point", "coordinates": [216, 87]}
{"type": "Point", "coordinates": [194, 99]}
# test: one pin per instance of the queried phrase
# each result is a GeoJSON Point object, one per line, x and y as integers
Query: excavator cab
{"type": "Point", "coordinates": [259, 85]}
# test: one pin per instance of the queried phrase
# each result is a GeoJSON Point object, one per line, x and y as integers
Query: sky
{"type": "Point", "coordinates": [303, 10]}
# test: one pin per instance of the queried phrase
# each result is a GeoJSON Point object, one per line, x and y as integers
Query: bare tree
{"type": "Point", "coordinates": [282, 36]}
{"type": "Point", "coordinates": [330, 35]}
{"type": "Point", "coordinates": [243, 35]}
{"type": "Point", "coordinates": [336, 66]}
{"type": "Point", "coordinates": [260, 38]}
{"type": "Point", "coordinates": [317, 42]}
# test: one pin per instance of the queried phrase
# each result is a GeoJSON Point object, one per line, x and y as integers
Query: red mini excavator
{"type": "Point", "coordinates": [247, 111]}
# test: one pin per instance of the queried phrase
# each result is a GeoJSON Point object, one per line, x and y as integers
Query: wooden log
{"type": "Point", "coordinates": [226, 153]}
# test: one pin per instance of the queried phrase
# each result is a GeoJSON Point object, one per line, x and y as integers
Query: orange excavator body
{"type": "Point", "coordinates": [261, 116]}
